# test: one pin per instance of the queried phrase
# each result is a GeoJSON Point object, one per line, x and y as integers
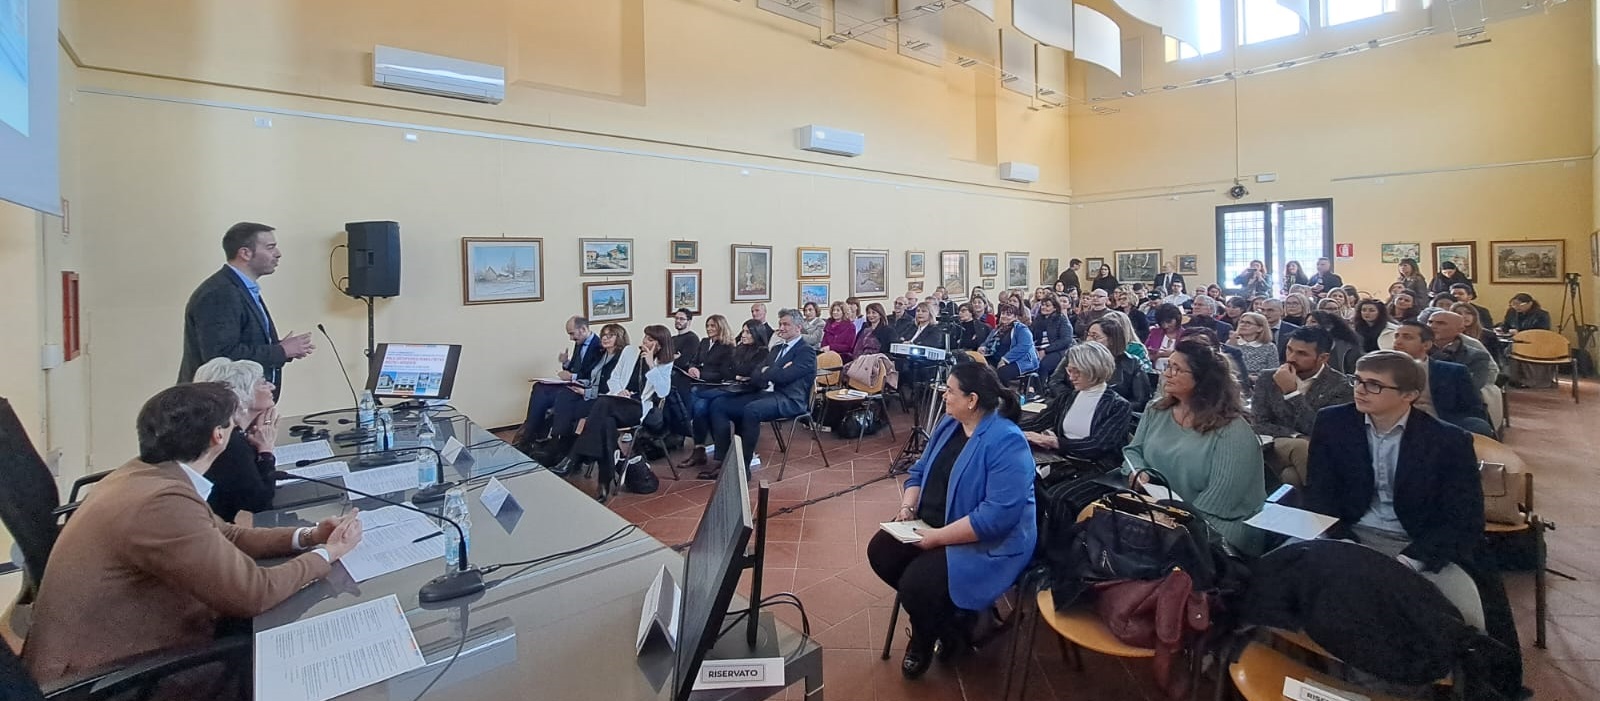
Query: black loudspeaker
{"type": "Point", "coordinates": [374, 259]}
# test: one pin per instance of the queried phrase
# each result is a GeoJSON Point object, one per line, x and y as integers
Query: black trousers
{"type": "Point", "coordinates": [1008, 372]}
{"type": "Point", "coordinates": [599, 438]}
{"type": "Point", "coordinates": [923, 580]}
{"type": "Point", "coordinates": [542, 400]}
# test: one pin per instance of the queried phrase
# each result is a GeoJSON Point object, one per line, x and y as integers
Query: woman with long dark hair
{"type": "Point", "coordinates": [648, 384]}
{"type": "Point", "coordinates": [1523, 312]}
{"type": "Point", "coordinates": [713, 365]}
{"type": "Point", "coordinates": [1052, 332]}
{"type": "Point", "coordinates": [839, 335]}
{"type": "Point", "coordinates": [1010, 348]}
{"type": "Point", "coordinates": [1404, 307]}
{"type": "Point", "coordinates": [1372, 326]}
{"type": "Point", "coordinates": [1347, 346]}
{"type": "Point", "coordinates": [747, 355]}
{"type": "Point", "coordinates": [970, 330]}
{"type": "Point", "coordinates": [1130, 378]}
{"type": "Point", "coordinates": [1448, 275]}
{"type": "Point", "coordinates": [1104, 280]}
{"type": "Point", "coordinates": [973, 487]}
{"type": "Point", "coordinates": [1293, 275]}
{"type": "Point", "coordinates": [1166, 333]}
{"type": "Point", "coordinates": [876, 336]}
{"type": "Point", "coordinates": [1411, 277]}
{"type": "Point", "coordinates": [609, 376]}
{"type": "Point", "coordinates": [1197, 437]}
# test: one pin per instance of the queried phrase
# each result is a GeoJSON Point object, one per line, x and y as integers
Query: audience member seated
{"type": "Point", "coordinates": [1295, 309]}
{"type": "Point", "coordinates": [1465, 294]}
{"type": "Point", "coordinates": [241, 477]}
{"type": "Point", "coordinates": [1052, 332]}
{"type": "Point", "coordinates": [1089, 422]}
{"type": "Point", "coordinates": [1286, 400]}
{"type": "Point", "coordinates": [1009, 349]}
{"type": "Point", "coordinates": [1130, 378]}
{"type": "Point", "coordinates": [1451, 343]}
{"type": "Point", "coordinates": [727, 361]}
{"type": "Point", "coordinates": [983, 311]}
{"type": "Point", "coordinates": [145, 566]}
{"type": "Point", "coordinates": [609, 376]}
{"type": "Point", "coordinates": [1253, 281]}
{"type": "Point", "coordinates": [1127, 301]}
{"type": "Point", "coordinates": [1214, 291]}
{"type": "Point", "coordinates": [1523, 313]}
{"type": "Point", "coordinates": [1411, 277]}
{"type": "Point", "coordinates": [1175, 295]}
{"type": "Point", "coordinates": [624, 407]}
{"type": "Point", "coordinates": [815, 325]}
{"type": "Point", "coordinates": [857, 318]}
{"type": "Point", "coordinates": [542, 399]}
{"type": "Point", "coordinates": [1448, 393]}
{"type": "Point", "coordinates": [1165, 335]}
{"type": "Point", "coordinates": [1135, 348]}
{"type": "Point", "coordinates": [1272, 310]}
{"type": "Point", "coordinates": [1233, 355]}
{"type": "Point", "coordinates": [1253, 339]}
{"type": "Point", "coordinates": [973, 487]}
{"type": "Point", "coordinates": [685, 342]}
{"type": "Point", "coordinates": [875, 336]}
{"type": "Point", "coordinates": [1293, 276]}
{"type": "Point", "coordinates": [758, 311]}
{"type": "Point", "coordinates": [1099, 302]}
{"type": "Point", "coordinates": [1372, 326]}
{"type": "Point", "coordinates": [1346, 344]}
{"type": "Point", "coordinates": [901, 322]}
{"type": "Point", "coordinates": [790, 370]}
{"type": "Point", "coordinates": [1204, 316]}
{"type": "Point", "coordinates": [1403, 306]}
{"type": "Point", "coordinates": [915, 373]}
{"type": "Point", "coordinates": [1346, 310]}
{"type": "Point", "coordinates": [1104, 280]}
{"type": "Point", "coordinates": [1325, 279]}
{"type": "Point", "coordinates": [1447, 277]}
{"type": "Point", "coordinates": [1196, 436]}
{"type": "Point", "coordinates": [1473, 328]}
{"type": "Point", "coordinates": [1234, 306]}
{"type": "Point", "coordinates": [839, 335]}
{"type": "Point", "coordinates": [1398, 480]}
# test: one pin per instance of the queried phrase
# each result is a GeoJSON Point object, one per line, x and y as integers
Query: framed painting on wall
{"type": "Point", "coordinates": [751, 273]}
{"type": "Point", "coordinates": [606, 256]}
{"type": "Point", "coordinates": [683, 290]}
{"type": "Point", "coordinates": [815, 292]}
{"type": "Point", "coordinates": [953, 273]}
{"type": "Point", "coordinates": [1049, 271]}
{"type": "Point", "coordinates": [1528, 262]}
{"type": "Point", "coordinates": [988, 283]}
{"type": "Point", "coordinates": [1189, 264]}
{"type": "Point", "coordinates": [608, 301]}
{"type": "Point", "coordinates": [914, 286]}
{"type": "Point", "coordinates": [869, 273]}
{"type": "Point", "coordinates": [1464, 254]}
{"type": "Point", "coordinates": [1091, 268]}
{"type": "Point", "coordinates": [988, 264]}
{"type": "Point", "coordinates": [1395, 252]}
{"type": "Point", "coordinates": [500, 270]}
{"type": "Point", "coordinates": [1137, 266]}
{"type": "Point", "coordinates": [916, 263]}
{"type": "Point", "coordinates": [812, 262]}
{"type": "Point", "coordinates": [1594, 253]}
{"type": "Point", "coordinates": [1016, 269]}
{"type": "Point", "coordinates": [685, 252]}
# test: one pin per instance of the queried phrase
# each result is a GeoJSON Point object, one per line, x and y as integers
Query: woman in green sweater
{"type": "Point", "coordinates": [1197, 437]}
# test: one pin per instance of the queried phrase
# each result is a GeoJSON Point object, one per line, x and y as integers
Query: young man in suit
{"type": "Point", "coordinates": [1287, 400]}
{"type": "Point", "coordinates": [577, 364]}
{"type": "Point", "coordinates": [1448, 392]}
{"type": "Point", "coordinates": [1400, 481]}
{"type": "Point", "coordinates": [226, 317]}
{"type": "Point", "coordinates": [144, 565]}
{"type": "Point", "coordinates": [785, 383]}
{"type": "Point", "coordinates": [1325, 279]}
{"type": "Point", "coordinates": [1164, 281]}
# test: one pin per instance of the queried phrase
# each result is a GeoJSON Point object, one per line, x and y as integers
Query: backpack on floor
{"type": "Point", "coordinates": [637, 477]}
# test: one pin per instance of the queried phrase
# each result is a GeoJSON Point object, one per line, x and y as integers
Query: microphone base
{"type": "Point", "coordinates": [452, 586]}
{"type": "Point", "coordinates": [431, 493]}
{"type": "Point", "coordinates": [382, 458]}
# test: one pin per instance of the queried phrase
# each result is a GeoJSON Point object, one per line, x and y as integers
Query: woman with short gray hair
{"type": "Point", "coordinates": [241, 477]}
{"type": "Point", "coordinates": [1087, 423]}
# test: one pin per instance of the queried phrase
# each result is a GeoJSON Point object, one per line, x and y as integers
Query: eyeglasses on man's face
{"type": "Point", "coordinates": [1370, 386]}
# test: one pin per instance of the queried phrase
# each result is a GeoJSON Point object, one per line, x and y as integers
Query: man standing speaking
{"type": "Point", "coordinates": [226, 317]}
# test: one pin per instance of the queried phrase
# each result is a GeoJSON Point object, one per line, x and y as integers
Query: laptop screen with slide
{"type": "Point", "coordinates": [413, 370]}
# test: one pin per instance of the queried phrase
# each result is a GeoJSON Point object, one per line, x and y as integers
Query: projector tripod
{"type": "Point", "coordinates": [918, 441]}
{"type": "Point", "coordinates": [1572, 313]}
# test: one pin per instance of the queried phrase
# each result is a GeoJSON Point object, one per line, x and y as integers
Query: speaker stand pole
{"type": "Point", "coordinates": [371, 338]}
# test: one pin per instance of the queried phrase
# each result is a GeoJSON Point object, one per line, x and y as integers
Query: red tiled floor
{"type": "Point", "coordinates": [817, 551]}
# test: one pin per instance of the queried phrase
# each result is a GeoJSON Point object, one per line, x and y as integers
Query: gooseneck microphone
{"type": "Point", "coordinates": [465, 581]}
{"type": "Point", "coordinates": [426, 495]}
{"type": "Point", "coordinates": [359, 432]}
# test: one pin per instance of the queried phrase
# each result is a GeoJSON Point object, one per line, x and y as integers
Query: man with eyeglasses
{"type": "Point", "coordinates": [1400, 481]}
{"type": "Point", "coordinates": [685, 342]}
{"type": "Point", "coordinates": [1448, 392]}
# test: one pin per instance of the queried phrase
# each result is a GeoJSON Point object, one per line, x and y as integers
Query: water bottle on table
{"type": "Point", "coordinates": [366, 411]}
{"type": "Point", "coordinates": [427, 460]}
{"type": "Point", "coordinates": [455, 508]}
{"type": "Point", "coordinates": [385, 429]}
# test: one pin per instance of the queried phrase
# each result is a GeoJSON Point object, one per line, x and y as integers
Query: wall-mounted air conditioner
{"type": "Point", "coordinates": [814, 137]}
{"type": "Point", "coordinates": [414, 71]}
{"type": "Point", "coordinates": [1019, 172]}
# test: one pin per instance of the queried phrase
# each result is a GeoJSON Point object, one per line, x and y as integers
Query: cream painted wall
{"type": "Point", "coordinates": [21, 381]}
{"type": "Point", "coordinates": [170, 156]}
{"type": "Point", "coordinates": [1417, 106]}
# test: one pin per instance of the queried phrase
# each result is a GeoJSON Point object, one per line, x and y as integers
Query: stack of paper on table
{"type": "Point", "coordinates": [290, 453]}
{"type": "Point", "coordinates": [335, 653]}
{"type": "Point", "coordinates": [905, 531]}
{"type": "Point", "coordinates": [383, 480]}
{"type": "Point", "coordinates": [388, 542]}
{"type": "Point", "coordinates": [323, 471]}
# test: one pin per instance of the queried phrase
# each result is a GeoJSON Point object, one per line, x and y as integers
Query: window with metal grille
{"type": "Point", "coordinates": [1273, 233]}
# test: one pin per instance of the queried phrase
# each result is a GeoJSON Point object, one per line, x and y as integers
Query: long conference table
{"type": "Point", "coordinates": [564, 629]}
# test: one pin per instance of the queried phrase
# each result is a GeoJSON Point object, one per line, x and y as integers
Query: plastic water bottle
{"type": "Point", "coordinates": [366, 411]}
{"type": "Point", "coordinates": [385, 429]}
{"type": "Point", "coordinates": [455, 508]}
{"type": "Point", "coordinates": [427, 460]}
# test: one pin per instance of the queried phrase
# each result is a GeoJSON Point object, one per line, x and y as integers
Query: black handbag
{"type": "Point", "coordinates": [638, 478]}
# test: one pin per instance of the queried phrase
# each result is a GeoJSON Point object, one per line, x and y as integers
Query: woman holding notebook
{"type": "Point", "coordinates": [972, 492]}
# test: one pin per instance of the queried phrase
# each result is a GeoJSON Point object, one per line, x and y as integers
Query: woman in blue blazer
{"type": "Point", "coordinates": [1012, 353]}
{"type": "Point", "coordinates": [974, 489]}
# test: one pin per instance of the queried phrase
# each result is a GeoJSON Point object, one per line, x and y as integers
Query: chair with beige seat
{"type": "Point", "coordinates": [1541, 347]}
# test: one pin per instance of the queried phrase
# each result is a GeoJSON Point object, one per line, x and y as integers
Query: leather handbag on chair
{"type": "Point", "coordinates": [1165, 615]}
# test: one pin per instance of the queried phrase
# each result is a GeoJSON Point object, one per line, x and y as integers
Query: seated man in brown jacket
{"type": "Point", "coordinates": [143, 565]}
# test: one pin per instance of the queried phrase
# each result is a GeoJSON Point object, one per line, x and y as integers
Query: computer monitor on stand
{"type": "Point", "coordinates": [413, 372]}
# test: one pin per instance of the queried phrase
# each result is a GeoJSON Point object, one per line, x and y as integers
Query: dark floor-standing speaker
{"type": "Point", "coordinates": [374, 259]}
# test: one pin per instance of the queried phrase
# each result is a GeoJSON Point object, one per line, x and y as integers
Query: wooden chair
{"type": "Point", "coordinates": [1541, 347]}
{"type": "Point", "coordinates": [830, 371]}
{"type": "Point", "coordinates": [1490, 450]}
{"type": "Point", "coordinates": [1080, 627]}
{"type": "Point", "coordinates": [1259, 673]}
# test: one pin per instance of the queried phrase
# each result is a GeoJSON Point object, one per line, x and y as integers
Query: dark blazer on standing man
{"type": "Point", "coordinates": [1438, 495]}
{"type": "Point", "coordinates": [221, 320]}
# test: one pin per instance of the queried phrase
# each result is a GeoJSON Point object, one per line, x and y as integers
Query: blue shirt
{"type": "Point", "coordinates": [1385, 449]}
{"type": "Point", "coordinates": [255, 294]}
